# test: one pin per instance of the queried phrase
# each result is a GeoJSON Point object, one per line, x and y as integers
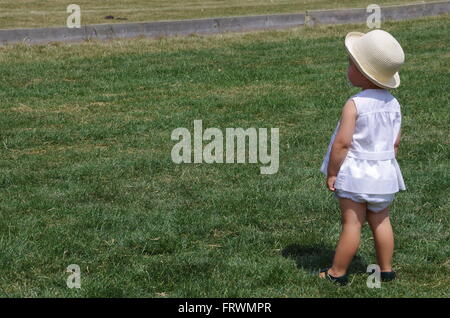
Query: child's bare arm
{"type": "Point", "coordinates": [397, 143]}
{"type": "Point", "coordinates": [342, 142]}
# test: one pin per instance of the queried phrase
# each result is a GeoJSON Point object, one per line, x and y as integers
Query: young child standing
{"type": "Point", "coordinates": [360, 163]}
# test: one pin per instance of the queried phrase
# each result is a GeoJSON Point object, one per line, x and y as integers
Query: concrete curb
{"type": "Point", "coordinates": [152, 29]}
{"type": "Point", "coordinates": [216, 25]}
{"type": "Point", "coordinates": [359, 15]}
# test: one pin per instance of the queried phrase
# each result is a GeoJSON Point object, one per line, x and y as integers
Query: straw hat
{"type": "Point", "coordinates": [378, 55]}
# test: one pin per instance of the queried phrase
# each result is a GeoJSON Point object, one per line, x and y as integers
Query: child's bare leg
{"type": "Point", "coordinates": [353, 218]}
{"type": "Point", "coordinates": [384, 237]}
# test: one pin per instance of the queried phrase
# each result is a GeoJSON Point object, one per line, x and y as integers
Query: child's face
{"type": "Point", "coordinates": [357, 78]}
{"type": "Point", "coordinates": [354, 75]}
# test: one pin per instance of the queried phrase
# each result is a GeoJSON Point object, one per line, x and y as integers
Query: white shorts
{"type": "Point", "coordinates": [375, 202]}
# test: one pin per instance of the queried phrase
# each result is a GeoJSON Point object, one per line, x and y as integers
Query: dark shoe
{"type": "Point", "coordinates": [388, 276]}
{"type": "Point", "coordinates": [342, 280]}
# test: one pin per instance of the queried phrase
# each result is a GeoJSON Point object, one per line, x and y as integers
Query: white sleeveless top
{"type": "Point", "coordinates": [370, 166]}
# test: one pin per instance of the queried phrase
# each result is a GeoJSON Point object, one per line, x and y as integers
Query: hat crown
{"type": "Point", "coordinates": [381, 52]}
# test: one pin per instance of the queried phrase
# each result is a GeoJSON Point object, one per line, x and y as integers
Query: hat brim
{"type": "Point", "coordinates": [393, 82]}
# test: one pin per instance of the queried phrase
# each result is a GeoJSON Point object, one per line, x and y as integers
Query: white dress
{"type": "Point", "coordinates": [370, 165]}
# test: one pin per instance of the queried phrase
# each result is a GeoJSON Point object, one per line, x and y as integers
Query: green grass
{"type": "Point", "coordinates": [42, 13]}
{"type": "Point", "coordinates": [86, 174]}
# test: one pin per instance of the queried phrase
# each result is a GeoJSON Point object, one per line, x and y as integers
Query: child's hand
{"type": "Point", "coordinates": [330, 183]}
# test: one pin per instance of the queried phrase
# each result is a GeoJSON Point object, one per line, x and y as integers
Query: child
{"type": "Point", "coordinates": [360, 163]}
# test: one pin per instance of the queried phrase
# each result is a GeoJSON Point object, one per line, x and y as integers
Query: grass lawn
{"type": "Point", "coordinates": [42, 13]}
{"type": "Point", "coordinates": [87, 178]}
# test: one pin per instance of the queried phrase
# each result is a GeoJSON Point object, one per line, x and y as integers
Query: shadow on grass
{"type": "Point", "coordinates": [314, 258]}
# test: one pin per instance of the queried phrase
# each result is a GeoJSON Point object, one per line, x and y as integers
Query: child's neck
{"type": "Point", "coordinates": [370, 85]}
